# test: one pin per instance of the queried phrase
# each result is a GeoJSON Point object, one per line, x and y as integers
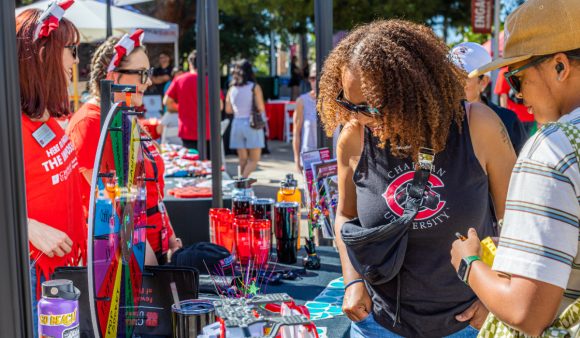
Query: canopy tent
{"type": "Point", "coordinates": [90, 17]}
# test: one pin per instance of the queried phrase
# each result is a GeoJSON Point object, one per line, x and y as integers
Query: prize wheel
{"type": "Point", "coordinates": [117, 226]}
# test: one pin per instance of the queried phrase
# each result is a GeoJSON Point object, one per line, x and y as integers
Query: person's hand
{"type": "Point", "coordinates": [49, 240]}
{"type": "Point", "coordinates": [475, 314]}
{"type": "Point", "coordinates": [175, 243]}
{"type": "Point", "coordinates": [298, 167]}
{"type": "Point", "coordinates": [469, 247]}
{"type": "Point", "coordinates": [357, 302]}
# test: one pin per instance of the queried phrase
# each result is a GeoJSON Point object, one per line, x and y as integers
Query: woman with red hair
{"type": "Point", "coordinates": [47, 52]}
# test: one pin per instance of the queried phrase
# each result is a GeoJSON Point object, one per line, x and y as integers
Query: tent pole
{"type": "Point", "coordinates": [176, 49]}
{"type": "Point", "coordinates": [201, 76]}
{"type": "Point", "coordinates": [16, 310]}
{"type": "Point", "coordinates": [495, 46]}
{"type": "Point", "coordinates": [213, 49]}
{"type": "Point", "coordinates": [109, 20]}
{"type": "Point", "coordinates": [323, 31]}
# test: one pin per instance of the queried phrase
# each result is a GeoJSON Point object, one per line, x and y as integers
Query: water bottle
{"type": "Point", "coordinates": [58, 310]}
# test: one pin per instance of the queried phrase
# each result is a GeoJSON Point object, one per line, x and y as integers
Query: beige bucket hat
{"type": "Point", "coordinates": [538, 27]}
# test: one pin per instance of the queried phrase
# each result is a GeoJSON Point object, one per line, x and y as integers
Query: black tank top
{"type": "Point", "coordinates": [431, 294]}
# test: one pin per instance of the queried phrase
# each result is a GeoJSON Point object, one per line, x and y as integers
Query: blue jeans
{"type": "Point", "coordinates": [33, 299]}
{"type": "Point", "coordinates": [369, 328]}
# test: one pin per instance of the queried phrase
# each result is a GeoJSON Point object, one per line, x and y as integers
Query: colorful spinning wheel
{"type": "Point", "coordinates": [117, 223]}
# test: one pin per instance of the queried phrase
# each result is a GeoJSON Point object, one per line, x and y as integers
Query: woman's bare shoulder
{"type": "Point", "coordinates": [349, 142]}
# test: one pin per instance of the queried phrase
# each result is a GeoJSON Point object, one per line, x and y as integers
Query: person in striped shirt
{"type": "Point", "coordinates": [536, 271]}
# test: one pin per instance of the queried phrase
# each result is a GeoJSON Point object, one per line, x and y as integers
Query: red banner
{"type": "Point", "coordinates": [482, 16]}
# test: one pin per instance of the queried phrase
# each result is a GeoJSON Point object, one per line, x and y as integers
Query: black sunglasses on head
{"type": "Point", "coordinates": [357, 108]}
{"type": "Point", "coordinates": [144, 73]}
{"type": "Point", "coordinates": [74, 49]}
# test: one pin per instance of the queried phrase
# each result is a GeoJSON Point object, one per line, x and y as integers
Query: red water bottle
{"type": "Point", "coordinates": [260, 240]}
{"type": "Point", "coordinates": [242, 239]}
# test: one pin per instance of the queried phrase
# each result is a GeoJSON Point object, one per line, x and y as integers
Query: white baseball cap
{"type": "Point", "coordinates": [469, 56]}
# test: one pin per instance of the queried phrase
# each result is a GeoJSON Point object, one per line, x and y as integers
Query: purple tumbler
{"type": "Point", "coordinates": [58, 310]}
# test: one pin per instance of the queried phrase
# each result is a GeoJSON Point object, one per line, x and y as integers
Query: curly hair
{"type": "Point", "coordinates": [100, 63]}
{"type": "Point", "coordinates": [403, 67]}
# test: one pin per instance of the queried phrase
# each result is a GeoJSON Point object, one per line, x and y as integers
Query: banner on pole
{"type": "Point", "coordinates": [482, 16]}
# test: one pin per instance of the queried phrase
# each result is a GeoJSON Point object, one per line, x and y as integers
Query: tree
{"type": "Point", "coordinates": [245, 24]}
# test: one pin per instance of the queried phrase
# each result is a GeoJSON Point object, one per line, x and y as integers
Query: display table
{"type": "Point", "coordinates": [275, 115]}
{"type": "Point", "coordinates": [190, 216]}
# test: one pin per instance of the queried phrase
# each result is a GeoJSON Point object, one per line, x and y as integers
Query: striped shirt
{"type": "Point", "coordinates": [540, 238]}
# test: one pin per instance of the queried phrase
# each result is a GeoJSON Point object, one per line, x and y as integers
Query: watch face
{"type": "Point", "coordinates": [462, 270]}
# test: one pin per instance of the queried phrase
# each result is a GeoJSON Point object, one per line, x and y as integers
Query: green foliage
{"type": "Point", "coordinates": [245, 24]}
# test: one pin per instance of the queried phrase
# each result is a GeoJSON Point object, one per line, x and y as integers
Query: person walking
{"type": "Point", "coordinates": [305, 129]}
{"type": "Point", "coordinates": [393, 88]}
{"type": "Point", "coordinates": [534, 275]}
{"type": "Point", "coordinates": [243, 95]}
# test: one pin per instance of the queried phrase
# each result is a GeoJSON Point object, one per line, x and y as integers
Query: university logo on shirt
{"type": "Point", "coordinates": [396, 195]}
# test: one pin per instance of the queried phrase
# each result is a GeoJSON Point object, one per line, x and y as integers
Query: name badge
{"type": "Point", "coordinates": [44, 135]}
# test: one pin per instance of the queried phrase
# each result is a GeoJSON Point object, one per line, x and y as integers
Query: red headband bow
{"type": "Point", "coordinates": [125, 46]}
{"type": "Point", "coordinates": [50, 18]}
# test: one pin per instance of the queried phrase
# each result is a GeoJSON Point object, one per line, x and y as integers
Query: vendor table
{"type": "Point", "coordinates": [312, 284]}
{"type": "Point", "coordinates": [275, 115]}
{"type": "Point", "coordinates": [190, 216]}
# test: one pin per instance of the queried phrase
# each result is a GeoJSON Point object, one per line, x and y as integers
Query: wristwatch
{"type": "Point", "coordinates": [465, 267]}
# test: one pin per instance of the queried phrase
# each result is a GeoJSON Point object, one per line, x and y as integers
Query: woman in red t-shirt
{"type": "Point", "coordinates": [84, 131]}
{"type": "Point", "coordinates": [57, 229]}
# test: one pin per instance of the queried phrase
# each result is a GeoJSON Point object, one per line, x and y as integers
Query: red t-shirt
{"type": "Point", "coordinates": [503, 87]}
{"type": "Point", "coordinates": [183, 90]}
{"type": "Point", "coordinates": [159, 237]}
{"type": "Point", "coordinates": [53, 194]}
{"type": "Point", "coordinates": [84, 130]}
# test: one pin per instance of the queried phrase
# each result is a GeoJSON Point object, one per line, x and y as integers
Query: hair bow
{"type": "Point", "coordinates": [50, 18]}
{"type": "Point", "coordinates": [125, 46]}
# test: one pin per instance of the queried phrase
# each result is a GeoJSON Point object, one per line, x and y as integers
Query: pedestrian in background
{"type": "Point", "coordinates": [243, 94]}
{"type": "Point", "coordinates": [304, 124]}
{"type": "Point", "coordinates": [182, 97]}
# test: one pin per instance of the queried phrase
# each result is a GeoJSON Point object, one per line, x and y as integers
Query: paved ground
{"type": "Point", "coordinates": [272, 169]}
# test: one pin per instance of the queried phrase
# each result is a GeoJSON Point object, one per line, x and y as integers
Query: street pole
{"type": "Point", "coordinates": [323, 31]}
{"type": "Point", "coordinates": [16, 309]}
{"type": "Point", "coordinates": [213, 58]}
{"type": "Point", "coordinates": [201, 48]}
{"type": "Point", "coordinates": [495, 43]}
{"type": "Point", "coordinates": [273, 62]}
{"type": "Point", "coordinates": [109, 20]}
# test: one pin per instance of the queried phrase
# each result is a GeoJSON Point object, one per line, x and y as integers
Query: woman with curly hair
{"type": "Point", "coordinates": [392, 87]}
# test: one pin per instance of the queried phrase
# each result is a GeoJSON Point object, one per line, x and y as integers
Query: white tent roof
{"type": "Point", "coordinates": [90, 17]}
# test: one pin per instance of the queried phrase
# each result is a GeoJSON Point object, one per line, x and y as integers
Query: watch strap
{"type": "Point", "coordinates": [468, 261]}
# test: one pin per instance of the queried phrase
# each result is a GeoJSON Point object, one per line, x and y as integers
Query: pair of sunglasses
{"type": "Point", "coordinates": [74, 49]}
{"type": "Point", "coordinates": [514, 81]}
{"type": "Point", "coordinates": [357, 108]}
{"type": "Point", "coordinates": [144, 73]}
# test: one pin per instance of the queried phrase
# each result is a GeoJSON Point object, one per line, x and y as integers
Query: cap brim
{"type": "Point", "coordinates": [498, 63]}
